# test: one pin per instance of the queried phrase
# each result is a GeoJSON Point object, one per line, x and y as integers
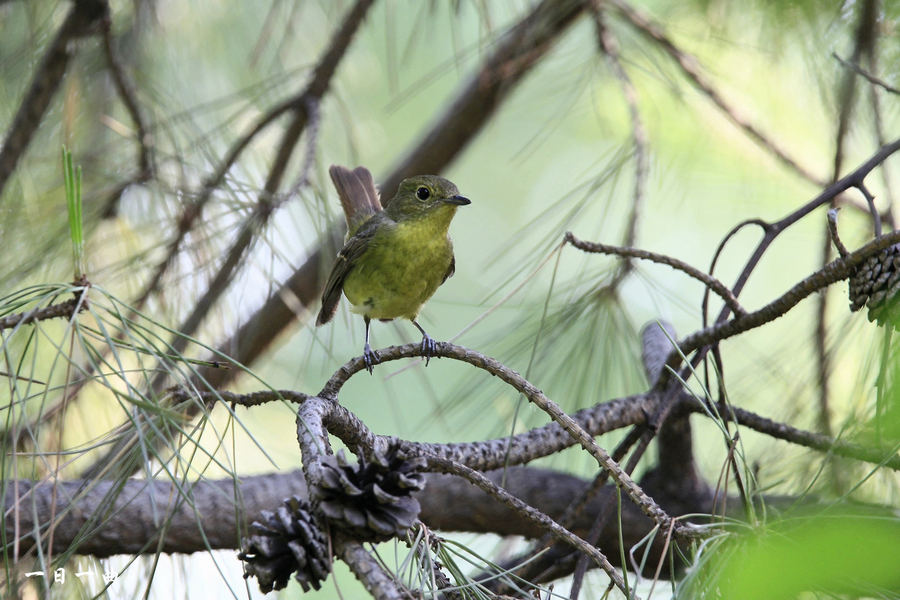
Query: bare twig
{"type": "Point", "coordinates": [772, 230]}
{"type": "Point", "coordinates": [833, 232]}
{"type": "Point", "coordinates": [870, 202]}
{"type": "Point", "coordinates": [129, 99]}
{"type": "Point", "coordinates": [832, 272]}
{"type": "Point", "coordinates": [535, 516]}
{"type": "Point", "coordinates": [710, 282]}
{"type": "Point", "coordinates": [854, 66]}
{"type": "Point", "coordinates": [63, 309]}
{"type": "Point", "coordinates": [610, 46]}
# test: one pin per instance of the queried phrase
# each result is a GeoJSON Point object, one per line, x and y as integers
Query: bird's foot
{"type": "Point", "coordinates": [429, 348]}
{"type": "Point", "coordinates": [370, 357]}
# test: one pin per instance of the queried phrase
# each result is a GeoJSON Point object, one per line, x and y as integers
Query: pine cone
{"type": "Point", "coordinates": [875, 284]}
{"type": "Point", "coordinates": [371, 501]}
{"type": "Point", "coordinates": [283, 542]}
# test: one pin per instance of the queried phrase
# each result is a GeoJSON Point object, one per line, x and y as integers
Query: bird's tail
{"type": "Point", "coordinates": [358, 194]}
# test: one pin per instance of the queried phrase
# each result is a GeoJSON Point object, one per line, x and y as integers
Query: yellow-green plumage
{"type": "Point", "coordinates": [396, 258]}
{"type": "Point", "coordinates": [402, 267]}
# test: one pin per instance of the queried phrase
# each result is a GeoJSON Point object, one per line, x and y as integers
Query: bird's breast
{"type": "Point", "coordinates": [402, 268]}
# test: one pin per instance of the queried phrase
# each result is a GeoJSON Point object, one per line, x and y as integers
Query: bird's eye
{"type": "Point", "coordinates": [423, 193]}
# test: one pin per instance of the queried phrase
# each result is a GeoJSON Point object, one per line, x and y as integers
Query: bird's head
{"type": "Point", "coordinates": [425, 195]}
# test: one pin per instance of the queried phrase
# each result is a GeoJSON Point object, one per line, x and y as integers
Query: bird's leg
{"type": "Point", "coordinates": [429, 346]}
{"type": "Point", "coordinates": [370, 357]}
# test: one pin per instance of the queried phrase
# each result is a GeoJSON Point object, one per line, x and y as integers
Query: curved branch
{"type": "Point", "coordinates": [536, 397]}
{"type": "Point", "coordinates": [129, 99]}
{"type": "Point", "coordinates": [709, 281]}
{"type": "Point", "coordinates": [833, 272]}
{"type": "Point", "coordinates": [551, 438]}
{"type": "Point", "coordinates": [531, 514]}
{"type": "Point", "coordinates": [772, 230]}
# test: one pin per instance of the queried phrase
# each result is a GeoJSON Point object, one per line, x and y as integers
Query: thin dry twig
{"type": "Point", "coordinates": [833, 272]}
{"type": "Point", "coordinates": [610, 46]}
{"type": "Point", "coordinates": [127, 94]}
{"type": "Point", "coordinates": [854, 66]}
{"type": "Point", "coordinates": [530, 513]}
{"type": "Point", "coordinates": [772, 230]}
{"type": "Point", "coordinates": [63, 309]}
{"type": "Point", "coordinates": [710, 282]}
{"type": "Point", "coordinates": [832, 230]}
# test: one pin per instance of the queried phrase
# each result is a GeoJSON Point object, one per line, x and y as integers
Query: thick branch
{"type": "Point", "coordinates": [136, 511]}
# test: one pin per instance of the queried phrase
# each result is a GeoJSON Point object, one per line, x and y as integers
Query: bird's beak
{"type": "Point", "coordinates": [460, 200]}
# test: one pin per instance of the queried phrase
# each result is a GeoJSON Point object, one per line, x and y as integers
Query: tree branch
{"type": "Point", "coordinates": [709, 281]}
{"type": "Point", "coordinates": [81, 21]}
{"type": "Point", "coordinates": [63, 309]}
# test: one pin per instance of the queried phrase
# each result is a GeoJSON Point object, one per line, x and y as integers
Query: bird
{"type": "Point", "coordinates": [394, 257]}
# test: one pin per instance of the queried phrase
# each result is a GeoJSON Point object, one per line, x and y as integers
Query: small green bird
{"type": "Point", "coordinates": [395, 257]}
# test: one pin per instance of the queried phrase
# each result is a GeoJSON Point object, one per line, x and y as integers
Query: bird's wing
{"type": "Point", "coordinates": [346, 259]}
{"type": "Point", "coordinates": [450, 269]}
{"type": "Point", "coordinates": [358, 194]}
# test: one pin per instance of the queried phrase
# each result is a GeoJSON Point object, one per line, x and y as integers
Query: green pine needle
{"type": "Point", "coordinates": [72, 177]}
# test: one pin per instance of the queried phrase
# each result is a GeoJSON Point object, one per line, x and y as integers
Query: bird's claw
{"type": "Point", "coordinates": [429, 348]}
{"type": "Point", "coordinates": [371, 358]}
